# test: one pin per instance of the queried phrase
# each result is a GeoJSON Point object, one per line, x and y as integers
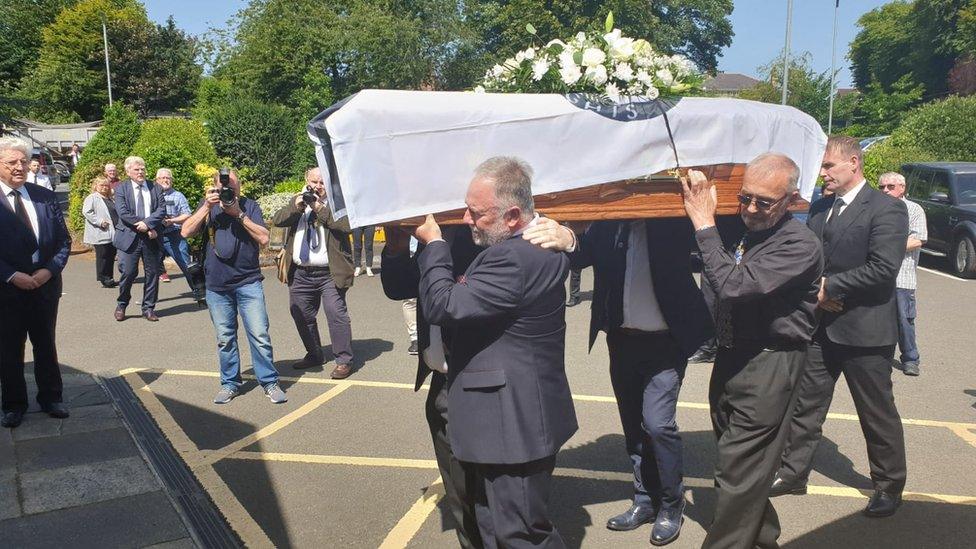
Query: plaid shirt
{"type": "Point", "coordinates": [916, 229]}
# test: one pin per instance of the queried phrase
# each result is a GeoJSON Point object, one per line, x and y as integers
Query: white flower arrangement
{"type": "Point", "coordinates": [611, 65]}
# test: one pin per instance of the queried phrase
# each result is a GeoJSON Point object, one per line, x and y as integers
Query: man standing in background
{"type": "Point", "coordinates": [37, 177]}
{"type": "Point", "coordinates": [893, 185]}
{"type": "Point", "coordinates": [174, 245]}
{"type": "Point", "coordinates": [140, 207]}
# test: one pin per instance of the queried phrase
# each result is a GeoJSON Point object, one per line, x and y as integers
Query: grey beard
{"type": "Point", "coordinates": [490, 237]}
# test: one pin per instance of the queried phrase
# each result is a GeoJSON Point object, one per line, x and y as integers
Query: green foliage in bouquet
{"type": "Point", "coordinates": [608, 64]}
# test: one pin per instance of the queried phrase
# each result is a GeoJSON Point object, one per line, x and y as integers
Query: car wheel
{"type": "Point", "coordinates": [964, 257]}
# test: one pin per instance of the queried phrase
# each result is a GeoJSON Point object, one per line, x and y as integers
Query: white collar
{"type": "Point", "coordinates": [851, 194]}
{"type": "Point", "coordinates": [531, 223]}
{"type": "Point", "coordinates": [7, 188]}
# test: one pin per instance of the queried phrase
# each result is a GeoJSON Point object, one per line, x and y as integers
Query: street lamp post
{"type": "Point", "coordinates": [108, 70]}
{"type": "Point", "coordinates": [786, 48]}
{"type": "Point", "coordinates": [833, 71]}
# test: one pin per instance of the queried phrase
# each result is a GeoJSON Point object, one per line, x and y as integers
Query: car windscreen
{"type": "Point", "coordinates": [966, 189]}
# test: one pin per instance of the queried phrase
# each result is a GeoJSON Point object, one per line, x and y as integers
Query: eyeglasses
{"type": "Point", "coordinates": [13, 163]}
{"type": "Point", "coordinates": [761, 203]}
{"type": "Point", "coordinates": [889, 187]}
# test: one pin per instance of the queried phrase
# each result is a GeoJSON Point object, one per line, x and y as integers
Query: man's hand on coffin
{"type": "Point", "coordinates": [397, 240]}
{"type": "Point", "coordinates": [550, 235]}
{"type": "Point", "coordinates": [429, 231]}
{"type": "Point", "coordinates": [701, 199]}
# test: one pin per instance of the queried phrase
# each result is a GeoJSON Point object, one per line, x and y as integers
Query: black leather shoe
{"type": "Point", "coordinates": [704, 354]}
{"type": "Point", "coordinates": [55, 409]}
{"type": "Point", "coordinates": [632, 518]}
{"type": "Point", "coordinates": [882, 504]}
{"type": "Point", "coordinates": [309, 362]}
{"type": "Point", "coordinates": [667, 526]}
{"type": "Point", "coordinates": [12, 419]}
{"type": "Point", "coordinates": [782, 488]}
{"type": "Point", "coordinates": [572, 302]}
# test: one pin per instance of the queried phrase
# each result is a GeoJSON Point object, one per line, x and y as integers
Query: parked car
{"type": "Point", "coordinates": [47, 165]}
{"type": "Point", "coordinates": [947, 193]}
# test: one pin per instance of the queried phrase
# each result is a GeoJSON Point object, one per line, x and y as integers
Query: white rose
{"type": "Point", "coordinates": [570, 74]}
{"type": "Point", "coordinates": [539, 69]}
{"type": "Point", "coordinates": [497, 71]}
{"type": "Point", "coordinates": [622, 49]}
{"type": "Point", "coordinates": [644, 78]}
{"type": "Point", "coordinates": [529, 53]}
{"type": "Point", "coordinates": [593, 57]}
{"type": "Point", "coordinates": [597, 74]}
{"type": "Point", "coordinates": [652, 92]}
{"type": "Point", "coordinates": [519, 57]}
{"type": "Point", "coordinates": [624, 72]}
{"type": "Point", "coordinates": [581, 37]}
{"type": "Point", "coordinates": [612, 92]}
{"type": "Point", "coordinates": [566, 58]}
{"type": "Point", "coordinates": [479, 89]}
{"type": "Point", "coordinates": [665, 76]}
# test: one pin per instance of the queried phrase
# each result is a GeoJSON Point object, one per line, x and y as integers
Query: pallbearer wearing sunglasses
{"type": "Point", "coordinates": [766, 297]}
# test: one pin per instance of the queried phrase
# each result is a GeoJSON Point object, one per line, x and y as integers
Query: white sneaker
{"type": "Point", "coordinates": [357, 272]}
{"type": "Point", "coordinates": [369, 272]}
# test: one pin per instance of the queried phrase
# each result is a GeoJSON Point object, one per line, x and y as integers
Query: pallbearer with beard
{"type": "Point", "coordinates": [766, 294]}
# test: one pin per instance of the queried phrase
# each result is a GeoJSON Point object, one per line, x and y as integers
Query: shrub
{"type": "Point", "coordinates": [186, 134]}
{"type": "Point", "coordinates": [292, 186]}
{"type": "Point", "coordinates": [271, 203]}
{"type": "Point", "coordinates": [180, 162]}
{"type": "Point", "coordinates": [111, 144]}
{"type": "Point", "coordinates": [255, 135]}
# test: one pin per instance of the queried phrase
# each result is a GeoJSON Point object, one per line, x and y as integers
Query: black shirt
{"type": "Point", "coordinates": [773, 290]}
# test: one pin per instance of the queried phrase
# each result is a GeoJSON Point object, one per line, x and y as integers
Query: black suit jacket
{"type": "Point", "coordinates": [126, 234]}
{"type": "Point", "coordinates": [863, 250]}
{"type": "Point", "coordinates": [400, 276]}
{"type": "Point", "coordinates": [509, 399]}
{"type": "Point", "coordinates": [19, 242]}
{"type": "Point", "coordinates": [669, 245]}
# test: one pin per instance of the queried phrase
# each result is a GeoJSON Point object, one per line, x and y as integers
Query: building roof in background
{"type": "Point", "coordinates": [23, 122]}
{"type": "Point", "coordinates": [729, 82]}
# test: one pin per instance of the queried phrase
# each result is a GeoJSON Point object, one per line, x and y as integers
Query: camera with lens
{"type": "Point", "coordinates": [198, 280]}
{"type": "Point", "coordinates": [309, 196]}
{"type": "Point", "coordinates": [227, 194]}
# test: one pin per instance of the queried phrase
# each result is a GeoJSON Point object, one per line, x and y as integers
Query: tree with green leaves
{"type": "Point", "coordinates": [21, 22]}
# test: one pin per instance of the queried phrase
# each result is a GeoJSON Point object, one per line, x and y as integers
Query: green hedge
{"type": "Point", "coordinates": [186, 134]}
{"type": "Point", "coordinates": [938, 131]}
{"type": "Point", "coordinates": [181, 163]}
{"type": "Point", "coordinates": [110, 145]}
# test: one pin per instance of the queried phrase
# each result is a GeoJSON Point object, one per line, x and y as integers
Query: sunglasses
{"type": "Point", "coordinates": [761, 203]}
{"type": "Point", "coordinates": [889, 187]}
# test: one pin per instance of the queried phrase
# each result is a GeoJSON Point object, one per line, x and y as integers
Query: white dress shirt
{"type": "Point", "coordinates": [318, 256]}
{"type": "Point", "coordinates": [40, 179]}
{"type": "Point", "coordinates": [848, 198]}
{"type": "Point", "coordinates": [146, 198]}
{"type": "Point", "coordinates": [31, 213]}
{"type": "Point", "coordinates": [641, 309]}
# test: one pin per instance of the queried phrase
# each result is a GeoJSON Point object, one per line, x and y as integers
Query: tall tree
{"type": "Point", "coordinates": [21, 22]}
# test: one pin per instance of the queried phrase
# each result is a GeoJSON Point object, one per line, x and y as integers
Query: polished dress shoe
{"type": "Point", "coordinates": [882, 504]}
{"type": "Point", "coordinates": [704, 355]}
{"type": "Point", "coordinates": [150, 315]}
{"type": "Point", "coordinates": [341, 371]}
{"type": "Point", "coordinates": [572, 302]}
{"type": "Point", "coordinates": [782, 488]}
{"type": "Point", "coordinates": [632, 518]}
{"type": "Point", "coordinates": [667, 526]}
{"type": "Point", "coordinates": [12, 419]}
{"type": "Point", "coordinates": [308, 362]}
{"type": "Point", "coordinates": [55, 409]}
{"type": "Point", "coordinates": [120, 313]}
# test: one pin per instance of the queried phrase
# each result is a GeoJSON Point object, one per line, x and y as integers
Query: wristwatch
{"type": "Point", "coordinates": [241, 216]}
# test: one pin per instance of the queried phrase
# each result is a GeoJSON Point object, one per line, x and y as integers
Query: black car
{"type": "Point", "coordinates": [947, 193]}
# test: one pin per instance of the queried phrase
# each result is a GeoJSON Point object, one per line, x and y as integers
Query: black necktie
{"type": "Point", "coordinates": [21, 211]}
{"type": "Point", "coordinates": [835, 211]}
{"type": "Point", "coordinates": [140, 202]}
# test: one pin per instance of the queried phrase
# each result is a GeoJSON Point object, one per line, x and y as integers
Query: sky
{"type": "Point", "coordinates": [759, 26]}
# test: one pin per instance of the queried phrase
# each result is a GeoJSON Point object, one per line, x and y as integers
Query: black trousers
{"type": "Point", "coordinates": [646, 372]}
{"type": "Point", "coordinates": [511, 503]}
{"type": "Point", "coordinates": [309, 289]}
{"type": "Point", "coordinates": [149, 251]}
{"type": "Point", "coordinates": [362, 237]}
{"type": "Point", "coordinates": [458, 483]}
{"type": "Point", "coordinates": [575, 281]}
{"type": "Point", "coordinates": [750, 395]}
{"type": "Point", "coordinates": [31, 315]}
{"type": "Point", "coordinates": [104, 262]}
{"type": "Point", "coordinates": [868, 374]}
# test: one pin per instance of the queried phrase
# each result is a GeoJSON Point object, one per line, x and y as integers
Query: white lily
{"type": "Point", "coordinates": [622, 49]}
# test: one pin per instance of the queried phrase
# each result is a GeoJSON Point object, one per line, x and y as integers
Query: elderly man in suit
{"type": "Point", "coordinates": [863, 233]}
{"type": "Point", "coordinates": [646, 300]}
{"type": "Point", "coordinates": [141, 208]}
{"type": "Point", "coordinates": [35, 249]}
{"type": "Point", "coordinates": [400, 276]}
{"type": "Point", "coordinates": [510, 405]}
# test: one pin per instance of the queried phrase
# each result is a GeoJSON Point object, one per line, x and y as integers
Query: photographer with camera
{"type": "Point", "coordinates": [318, 261]}
{"type": "Point", "coordinates": [234, 233]}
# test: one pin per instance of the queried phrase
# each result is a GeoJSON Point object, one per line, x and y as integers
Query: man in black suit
{"type": "Point", "coordinates": [400, 276]}
{"type": "Point", "coordinates": [646, 300]}
{"type": "Point", "coordinates": [35, 249]}
{"type": "Point", "coordinates": [863, 233]}
{"type": "Point", "coordinates": [510, 405]}
{"type": "Point", "coordinates": [141, 209]}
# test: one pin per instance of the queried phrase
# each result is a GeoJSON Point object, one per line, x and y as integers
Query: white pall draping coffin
{"type": "Point", "coordinates": [389, 155]}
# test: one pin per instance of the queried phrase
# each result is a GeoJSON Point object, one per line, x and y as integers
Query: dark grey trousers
{"type": "Point", "coordinates": [750, 395]}
{"type": "Point", "coordinates": [512, 504]}
{"type": "Point", "coordinates": [311, 288]}
{"type": "Point", "coordinates": [149, 251]}
{"type": "Point", "coordinates": [458, 483]}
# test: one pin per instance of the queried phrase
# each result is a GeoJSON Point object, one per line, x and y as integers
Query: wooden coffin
{"type": "Point", "coordinates": [656, 196]}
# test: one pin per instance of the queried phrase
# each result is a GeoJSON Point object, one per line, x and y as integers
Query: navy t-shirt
{"type": "Point", "coordinates": [232, 254]}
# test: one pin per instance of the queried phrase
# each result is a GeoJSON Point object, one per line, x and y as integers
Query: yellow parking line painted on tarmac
{"type": "Point", "coordinates": [214, 456]}
{"type": "Point", "coordinates": [337, 460]}
{"type": "Point", "coordinates": [966, 435]}
{"type": "Point", "coordinates": [181, 443]}
{"type": "Point", "coordinates": [415, 517]}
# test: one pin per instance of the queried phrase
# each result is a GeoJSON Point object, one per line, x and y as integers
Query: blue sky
{"type": "Point", "coordinates": [759, 25]}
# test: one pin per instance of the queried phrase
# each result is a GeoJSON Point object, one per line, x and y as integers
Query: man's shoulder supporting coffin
{"type": "Point", "coordinates": [392, 154]}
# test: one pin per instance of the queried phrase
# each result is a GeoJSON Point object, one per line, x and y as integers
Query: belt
{"type": "Point", "coordinates": [641, 333]}
{"type": "Point", "coordinates": [769, 345]}
{"type": "Point", "coordinates": [312, 268]}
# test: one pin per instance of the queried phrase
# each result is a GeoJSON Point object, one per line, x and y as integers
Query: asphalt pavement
{"type": "Point", "coordinates": [350, 463]}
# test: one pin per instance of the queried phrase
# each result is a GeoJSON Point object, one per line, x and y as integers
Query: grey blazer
{"type": "Point", "coordinates": [95, 211]}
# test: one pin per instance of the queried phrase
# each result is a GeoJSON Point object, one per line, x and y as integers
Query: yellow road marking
{"type": "Point", "coordinates": [211, 457]}
{"type": "Point", "coordinates": [337, 460]}
{"type": "Point", "coordinates": [415, 517]}
{"type": "Point", "coordinates": [966, 435]}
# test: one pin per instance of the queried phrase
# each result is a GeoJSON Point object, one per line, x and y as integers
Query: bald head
{"type": "Point", "coordinates": [770, 186]}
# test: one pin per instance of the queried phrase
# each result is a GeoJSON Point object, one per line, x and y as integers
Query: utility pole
{"type": "Point", "coordinates": [833, 71]}
{"type": "Point", "coordinates": [108, 70]}
{"type": "Point", "coordinates": [786, 48]}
